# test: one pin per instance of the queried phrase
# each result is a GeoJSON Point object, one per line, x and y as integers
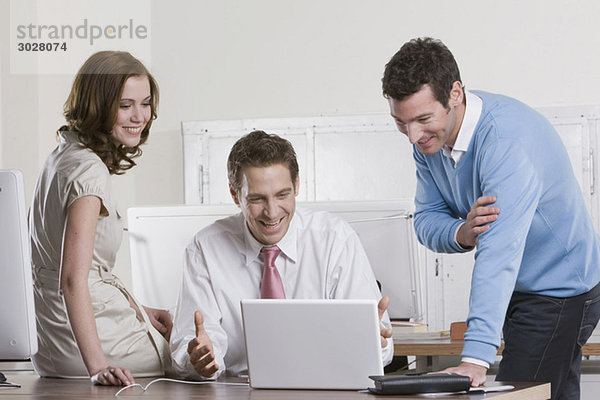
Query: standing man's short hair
{"type": "Point", "coordinates": [418, 62]}
{"type": "Point", "coordinates": [259, 149]}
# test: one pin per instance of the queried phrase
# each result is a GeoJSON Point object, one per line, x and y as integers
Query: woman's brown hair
{"type": "Point", "coordinates": [93, 104]}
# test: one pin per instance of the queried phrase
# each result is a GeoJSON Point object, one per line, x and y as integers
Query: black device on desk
{"type": "Point", "coordinates": [414, 384]}
{"type": "Point", "coordinates": [3, 382]}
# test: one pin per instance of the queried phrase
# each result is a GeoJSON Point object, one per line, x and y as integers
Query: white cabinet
{"type": "Point", "coordinates": [579, 129]}
{"type": "Point", "coordinates": [340, 158]}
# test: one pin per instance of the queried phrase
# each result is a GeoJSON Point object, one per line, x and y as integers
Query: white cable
{"type": "Point", "coordinates": [144, 388]}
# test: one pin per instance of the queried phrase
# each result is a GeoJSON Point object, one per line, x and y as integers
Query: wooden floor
{"type": "Point", "coordinates": [54, 389]}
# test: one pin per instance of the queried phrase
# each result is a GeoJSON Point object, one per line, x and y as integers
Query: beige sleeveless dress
{"type": "Point", "coordinates": [70, 172]}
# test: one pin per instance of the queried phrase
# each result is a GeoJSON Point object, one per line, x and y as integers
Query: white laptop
{"type": "Point", "coordinates": [312, 344]}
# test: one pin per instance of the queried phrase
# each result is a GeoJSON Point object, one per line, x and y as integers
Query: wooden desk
{"type": "Point", "coordinates": [447, 347]}
{"type": "Point", "coordinates": [437, 354]}
{"type": "Point", "coordinates": [51, 389]}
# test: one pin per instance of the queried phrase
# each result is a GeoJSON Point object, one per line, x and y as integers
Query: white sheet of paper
{"type": "Point", "coordinates": [480, 389]}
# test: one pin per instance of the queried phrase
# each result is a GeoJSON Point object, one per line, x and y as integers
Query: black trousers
{"type": "Point", "coordinates": [543, 337]}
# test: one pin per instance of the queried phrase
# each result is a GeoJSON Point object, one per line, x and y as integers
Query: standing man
{"type": "Point", "coordinates": [270, 250]}
{"type": "Point", "coordinates": [492, 173]}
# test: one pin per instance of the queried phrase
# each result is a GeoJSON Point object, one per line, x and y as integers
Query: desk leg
{"type": "Point", "coordinates": [435, 363]}
{"type": "Point", "coordinates": [423, 364]}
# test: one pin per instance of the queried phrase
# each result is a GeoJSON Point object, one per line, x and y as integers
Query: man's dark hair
{"type": "Point", "coordinates": [259, 149]}
{"type": "Point", "coordinates": [421, 61]}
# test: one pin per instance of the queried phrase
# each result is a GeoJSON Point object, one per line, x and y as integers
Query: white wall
{"type": "Point", "coordinates": [232, 59]}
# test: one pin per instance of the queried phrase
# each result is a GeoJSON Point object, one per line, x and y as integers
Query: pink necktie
{"type": "Point", "coordinates": [270, 284]}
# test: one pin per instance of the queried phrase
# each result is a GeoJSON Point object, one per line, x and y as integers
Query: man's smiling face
{"type": "Point", "coordinates": [267, 198]}
{"type": "Point", "coordinates": [426, 122]}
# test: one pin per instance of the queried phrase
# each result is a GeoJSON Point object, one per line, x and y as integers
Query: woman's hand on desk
{"type": "Point", "coordinates": [113, 375]}
{"type": "Point", "coordinates": [384, 333]}
{"type": "Point", "coordinates": [200, 350]}
{"type": "Point", "coordinates": [473, 371]}
{"type": "Point", "coordinates": [161, 320]}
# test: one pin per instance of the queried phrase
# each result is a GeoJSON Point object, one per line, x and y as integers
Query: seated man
{"type": "Point", "coordinates": [306, 254]}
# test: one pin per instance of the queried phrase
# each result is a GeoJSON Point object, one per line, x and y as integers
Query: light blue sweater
{"type": "Point", "coordinates": [543, 240]}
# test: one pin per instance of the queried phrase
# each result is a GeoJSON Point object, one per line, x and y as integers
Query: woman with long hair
{"type": "Point", "coordinates": [88, 323]}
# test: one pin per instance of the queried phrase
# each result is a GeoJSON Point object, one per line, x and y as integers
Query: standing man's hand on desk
{"type": "Point", "coordinates": [200, 349]}
{"type": "Point", "coordinates": [473, 371]}
{"type": "Point", "coordinates": [385, 333]}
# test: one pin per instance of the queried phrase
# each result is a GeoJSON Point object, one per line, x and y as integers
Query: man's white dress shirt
{"type": "Point", "coordinates": [321, 258]}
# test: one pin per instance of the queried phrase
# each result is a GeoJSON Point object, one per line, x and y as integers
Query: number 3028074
{"type": "Point", "coordinates": [43, 46]}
